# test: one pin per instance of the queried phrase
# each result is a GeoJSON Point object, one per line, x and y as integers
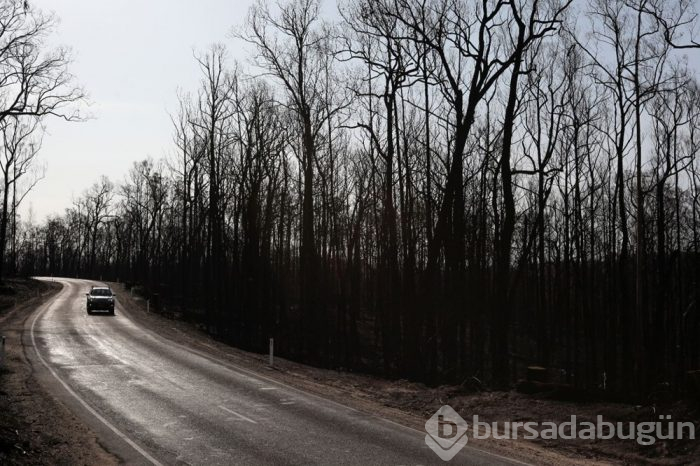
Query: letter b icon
{"type": "Point", "coordinates": [447, 433]}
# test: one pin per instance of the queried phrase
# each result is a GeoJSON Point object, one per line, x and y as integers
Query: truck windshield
{"type": "Point", "coordinates": [101, 292]}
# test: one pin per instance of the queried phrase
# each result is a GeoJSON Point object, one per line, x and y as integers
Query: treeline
{"type": "Point", "coordinates": [446, 190]}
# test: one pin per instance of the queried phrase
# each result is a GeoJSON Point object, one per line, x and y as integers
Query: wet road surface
{"type": "Point", "coordinates": [153, 401]}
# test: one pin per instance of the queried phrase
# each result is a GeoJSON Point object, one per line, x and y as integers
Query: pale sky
{"type": "Point", "coordinates": [130, 56]}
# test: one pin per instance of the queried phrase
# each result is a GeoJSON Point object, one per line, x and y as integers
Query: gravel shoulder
{"type": "Point", "coordinates": [35, 428]}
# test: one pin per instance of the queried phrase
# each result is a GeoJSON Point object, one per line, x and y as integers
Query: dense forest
{"type": "Point", "coordinates": [443, 190]}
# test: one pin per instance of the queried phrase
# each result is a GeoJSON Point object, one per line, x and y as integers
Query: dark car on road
{"type": "Point", "coordinates": [100, 298]}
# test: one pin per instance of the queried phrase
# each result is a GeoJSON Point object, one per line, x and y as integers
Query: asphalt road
{"type": "Point", "coordinates": [153, 401]}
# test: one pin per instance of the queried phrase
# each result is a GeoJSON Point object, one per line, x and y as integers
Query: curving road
{"type": "Point", "coordinates": [152, 401]}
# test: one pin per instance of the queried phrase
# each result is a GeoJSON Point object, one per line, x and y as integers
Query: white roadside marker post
{"type": "Point", "coordinates": [272, 351]}
{"type": "Point", "coordinates": [148, 305]}
{"type": "Point", "coordinates": [2, 351]}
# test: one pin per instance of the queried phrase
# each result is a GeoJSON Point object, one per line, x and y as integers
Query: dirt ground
{"type": "Point", "coordinates": [412, 403]}
{"type": "Point", "coordinates": [35, 428]}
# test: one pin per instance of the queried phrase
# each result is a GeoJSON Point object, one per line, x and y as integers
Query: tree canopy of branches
{"type": "Point", "coordinates": [34, 84]}
{"type": "Point", "coordinates": [446, 190]}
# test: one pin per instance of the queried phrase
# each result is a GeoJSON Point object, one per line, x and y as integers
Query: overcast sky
{"type": "Point", "coordinates": [131, 56]}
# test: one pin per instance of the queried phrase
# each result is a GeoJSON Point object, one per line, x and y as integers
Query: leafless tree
{"type": "Point", "coordinates": [291, 46]}
{"type": "Point", "coordinates": [21, 141]}
{"type": "Point", "coordinates": [499, 192]}
{"type": "Point", "coordinates": [34, 80]}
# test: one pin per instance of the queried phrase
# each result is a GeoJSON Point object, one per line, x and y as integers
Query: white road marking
{"type": "Point", "coordinates": [268, 388]}
{"type": "Point", "coordinates": [287, 403]}
{"type": "Point", "coordinates": [97, 415]}
{"type": "Point", "coordinates": [237, 414]}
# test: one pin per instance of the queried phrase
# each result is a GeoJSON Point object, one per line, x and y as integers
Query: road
{"type": "Point", "coordinates": [152, 401]}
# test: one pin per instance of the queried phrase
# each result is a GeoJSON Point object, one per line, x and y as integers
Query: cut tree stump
{"type": "Point", "coordinates": [536, 374]}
